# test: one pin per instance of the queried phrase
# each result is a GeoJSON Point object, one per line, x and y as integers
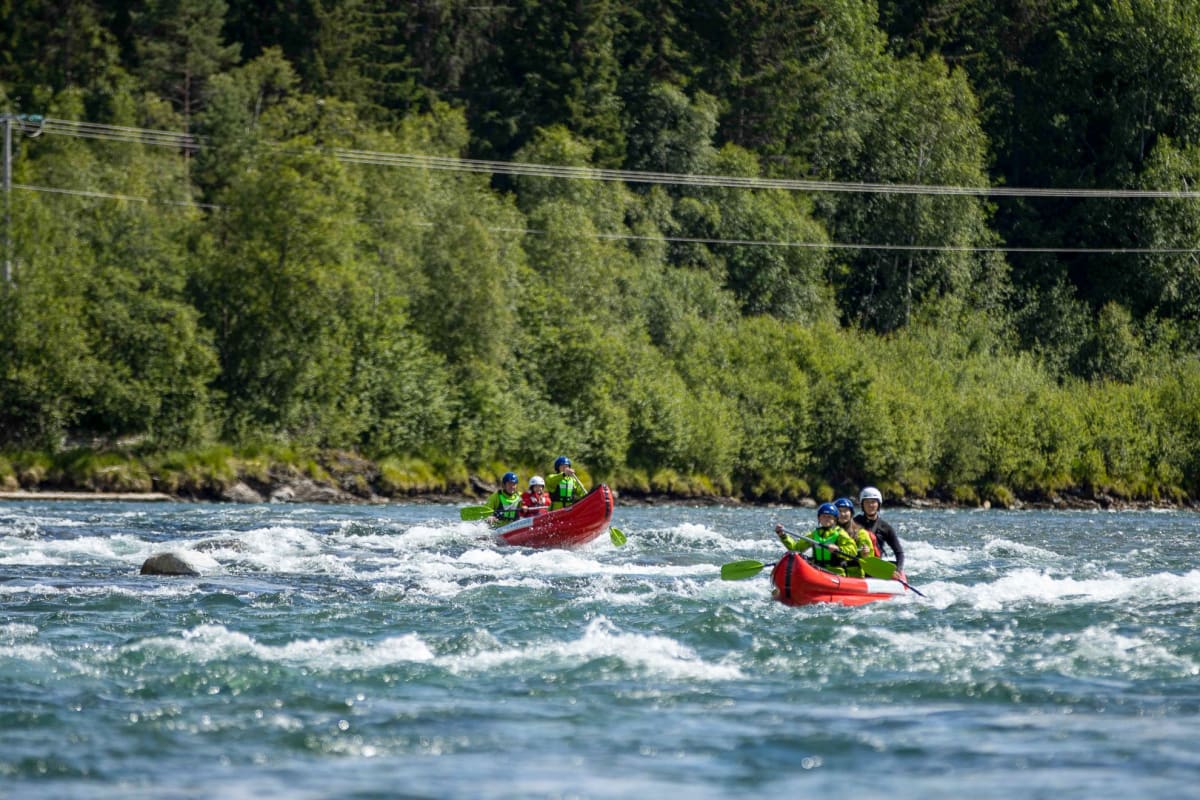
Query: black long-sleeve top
{"type": "Point", "coordinates": [885, 534]}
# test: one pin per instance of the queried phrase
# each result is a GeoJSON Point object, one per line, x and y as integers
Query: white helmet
{"type": "Point", "coordinates": [536, 480]}
{"type": "Point", "coordinates": [870, 493]}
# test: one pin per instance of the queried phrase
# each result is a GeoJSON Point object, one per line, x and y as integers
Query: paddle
{"type": "Point", "coordinates": [475, 513]}
{"type": "Point", "coordinates": [875, 567]}
{"type": "Point", "coordinates": [910, 587]}
{"type": "Point", "coordinates": [872, 566]}
{"type": "Point", "coordinates": [737, 570]}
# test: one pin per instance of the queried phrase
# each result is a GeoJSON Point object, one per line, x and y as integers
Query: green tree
{"type": "Point", "coordinates": [551, 64]}
{"type": "Point", "coordinates": [1111, 80]}
{"type": "Point", "coordinates": [1169, 282]}
{"type": "Point", "coordinates": [139, 360]}
{"type": "Point", "coordinates": [762, 65]}
{"type": "Point", "coordinates": [180, 48]}
{"type": "Point", "coordinates": [48, 46]}
{"type": "Point", "coordinates": [785, 277]}
{"type": "Point", "coordinates": [666, 131]}
{"type": "Point", "coordinates": [280, 294]}
{"type": "Point", "coordinates": [925, 131]}
{"type": "Point", "coordinates": [231, 122]}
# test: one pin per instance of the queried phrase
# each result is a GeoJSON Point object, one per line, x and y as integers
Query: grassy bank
{"type": "Point", "coordinates": [223, 473]}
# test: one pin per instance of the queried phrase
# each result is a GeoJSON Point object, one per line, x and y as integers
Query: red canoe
{"type": "Point", "coordinates": [797, 583]}
{"type": "Point", "coordinates": [573, 526]}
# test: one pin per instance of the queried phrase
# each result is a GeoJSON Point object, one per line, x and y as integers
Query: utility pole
{"type": "Point", "coordinates": [8, 120]}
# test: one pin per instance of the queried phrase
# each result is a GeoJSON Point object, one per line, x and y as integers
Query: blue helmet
{"type": "Point", "coordinates": [562, 461]}
{"type": "Point", "coordinates": [827, 508]}
{"type": "Point", "coordinates": [844, 502]}
{"type": "Point", "coordinates": [510, 477]}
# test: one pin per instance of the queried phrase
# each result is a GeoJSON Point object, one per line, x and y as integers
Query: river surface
{"type": "Point", "coordinates": [395, 651]}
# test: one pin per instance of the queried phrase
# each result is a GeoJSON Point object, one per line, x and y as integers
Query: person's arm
{"type": "Point", "coordinates": [789, 542]}
{"type": "Point", "coordinates": [846, 545]}
{"type": "Point", "coordinates": [893, 541]}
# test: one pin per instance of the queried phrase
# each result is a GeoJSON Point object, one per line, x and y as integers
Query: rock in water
{"type": "Point", "coordinates": [178, 563]}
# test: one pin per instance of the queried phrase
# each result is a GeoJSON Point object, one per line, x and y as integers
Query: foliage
{"type": "Point", "coordinates": [309, 274]}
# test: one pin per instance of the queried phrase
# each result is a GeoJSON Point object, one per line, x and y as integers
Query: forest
{"type": "Point", "coordinates": [768, 249]}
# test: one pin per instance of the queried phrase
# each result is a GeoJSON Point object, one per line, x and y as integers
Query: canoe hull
{"type": "Point", "coordinates": [569, 527]}
{"type": "Point", "coordinates": [797, 582]}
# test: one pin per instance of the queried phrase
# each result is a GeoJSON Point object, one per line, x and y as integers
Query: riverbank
{"type": "Point", "coordinates": [329, 494]}
{"type": "Point", "coordinates": [220, 474]}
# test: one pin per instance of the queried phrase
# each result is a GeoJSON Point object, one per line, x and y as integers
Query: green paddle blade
{"type": "Point", "coordinates": [618, 538]}
{"type": "Point", "coordinates": [877, 567]}
{"type": "Point", "coordinates": [473, 513]}
{"type": "Point", "coordinates": [737, 570]}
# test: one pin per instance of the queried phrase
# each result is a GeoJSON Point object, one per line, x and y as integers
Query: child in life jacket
{"type": "Point", "coordinates": [536, 500]}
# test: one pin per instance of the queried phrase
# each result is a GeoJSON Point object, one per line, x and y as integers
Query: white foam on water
{"type": "Point", "coordinates": [16, 644]}
{"type": "Point", "coordinates": [281, 549]}
{"type": "Point", "coordinates": [938, 648]}
{"type": "Point", "coordinates": [27, 652]}
{"type": "Point", "coordinates": [12, 631]}
{"type": "Point", "coordinates": [153, 590]}
{"type": "Point", "coordinates": [927, 557]}
{"type": "Point", "coordinates": [1007, 548]}
{"type": "Point", "coordinates": [1118, 654]}
{"type": "Point", "coordinates": [207, 643]}
{"type": "Point", "coordinates": [660, 656]}
{"type": "Point", "coordinates": [424, 537]}
{"type": "Point", "coordinates": [37, 523]}
{"type": "Point", "coordinates": [81, 550]}
{"type": "Point", "coordinates": [1038, 586]}
{"type": "Point", "coordinates": [693, 534]}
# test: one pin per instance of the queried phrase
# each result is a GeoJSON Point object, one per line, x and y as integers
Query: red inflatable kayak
{"type": "Point", "coordinates": [573, 526]}
{"type": "Point", "coordinates": [797, 583]}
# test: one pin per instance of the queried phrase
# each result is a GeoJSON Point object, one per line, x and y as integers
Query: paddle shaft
{"type": "Point", "coordinates": [891, 577]}
{"type": "Point", "coordinates": [815, 543]}
{"type": "Point", "coordinates": [883, 569]}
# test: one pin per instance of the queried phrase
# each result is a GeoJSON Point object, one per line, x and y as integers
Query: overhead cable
{"type": "Point", "coordinates": [708, 241]}
{"type": "Point", "coordinates": [418, 161]}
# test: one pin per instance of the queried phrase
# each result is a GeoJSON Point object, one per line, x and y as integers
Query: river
{"type": "Point", "coordinates": [395, 651]}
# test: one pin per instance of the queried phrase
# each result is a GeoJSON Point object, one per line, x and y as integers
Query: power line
{"type": "Point", "coordinates": [182, 141]}
{"type": "Point", "coordinates": [416, 161]}
{"type": "Point", "coordinates": [118, 133]}
{"type": "Point", "coordinates": [708, 241]}
{"type": "Point", "coordinates": [112, 196]}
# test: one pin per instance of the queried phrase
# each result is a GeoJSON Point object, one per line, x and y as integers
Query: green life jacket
{"type": "Point", "coordinates": [822, 555]}
{"type": "Point", "coordinates": [564, 492]}
{"type": "Point", "coordinates": [510, 505]}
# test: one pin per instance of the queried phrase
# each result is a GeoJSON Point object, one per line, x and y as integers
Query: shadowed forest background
{"type": "Point", "coordinates": [774, 250]}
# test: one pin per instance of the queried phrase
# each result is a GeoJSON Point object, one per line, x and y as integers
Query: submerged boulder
{"type": "Point", "coordinates": [178, 562]}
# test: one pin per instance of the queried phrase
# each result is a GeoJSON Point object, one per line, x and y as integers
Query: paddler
{"type": "Point", "coordinates": [835, 549]}
{"type": "Point", "coordinates": [882, 534]}
{"type": "Point", "coordinates": [505, 503]}
{"type": "Point", "coordinates": [860, 535]}
{"type": "Point", "coordinates": [536, 500]}
{"type": "Point", "coordinates": [563, 486]}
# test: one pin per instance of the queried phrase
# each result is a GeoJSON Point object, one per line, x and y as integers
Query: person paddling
{"type": "Point", "coordinates": [882, 534]}
{"type": "Point", "coordinates": [564, 487]}
{"type": "Point", "coordinates": [536, 500]}
{"type": "Point", "coordinates": [835, 548]}
{"type": "Point", "coordinates": [505, 503]}
{"type": "Point", "coordinates": [862, 537]}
